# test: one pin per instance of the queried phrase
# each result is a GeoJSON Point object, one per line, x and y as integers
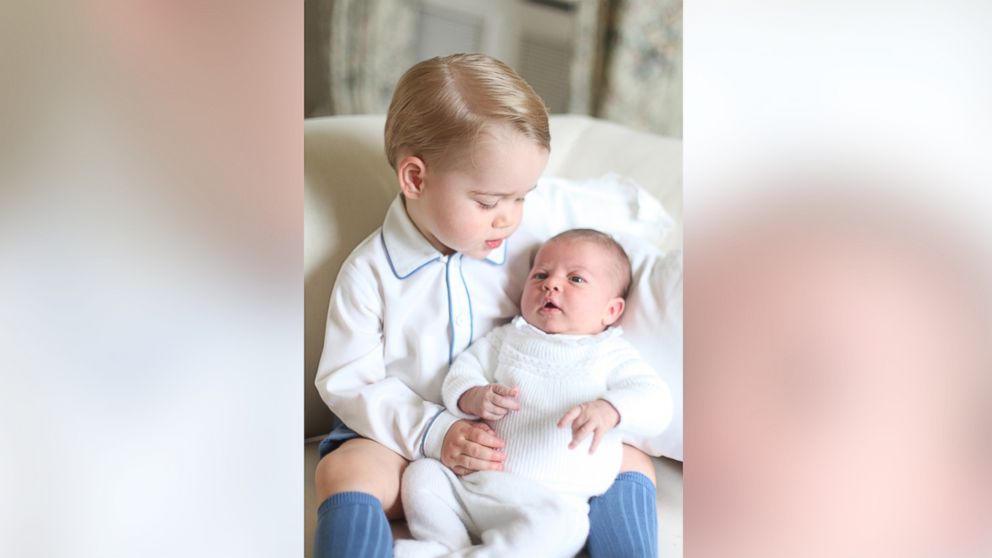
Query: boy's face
{"type": "Point", "coordinates": [572, 289]}
{"type": "Point", "coordinates": [473, 207]}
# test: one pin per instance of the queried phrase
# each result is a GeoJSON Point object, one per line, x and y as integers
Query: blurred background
{"type": "Point", "coordinates": [151, 257]}
{"type": "Point", "coordinates": [620, 60]}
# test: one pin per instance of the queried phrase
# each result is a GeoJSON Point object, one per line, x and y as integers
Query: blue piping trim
{"type": "Point", "coordinates": [471, 315]}
{"type": "Point", "coordinates": [427, 430]}
{"type": "Point", "coordinates": [393, 267]}
{"type": "Point", "coordinates": [451, 318]}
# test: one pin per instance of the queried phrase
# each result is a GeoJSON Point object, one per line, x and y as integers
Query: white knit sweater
{"type": "Point", "coordinates": [555, 373]}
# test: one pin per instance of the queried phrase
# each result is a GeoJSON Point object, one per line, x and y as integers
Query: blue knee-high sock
{"type": "Point", "coordinates": [624, 521]}
{"type": "Point", "coordinates": [351, 525]}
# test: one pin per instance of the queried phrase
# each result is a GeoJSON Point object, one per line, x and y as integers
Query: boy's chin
{"type": "Point", "coordinates": [479, 254]}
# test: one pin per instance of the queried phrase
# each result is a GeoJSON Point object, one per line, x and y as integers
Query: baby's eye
{"type": "Point", "coordinates": [486, 205]}
{"type": "Point", "coordinates": [576, 279]}
{"type": "Point", "coordinates": [540, 276]}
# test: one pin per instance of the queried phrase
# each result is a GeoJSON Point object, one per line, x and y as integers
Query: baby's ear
{"type": "Point", "coordinates": [613, 311]}
{"type": "Point", "coordinates": [410, 173]}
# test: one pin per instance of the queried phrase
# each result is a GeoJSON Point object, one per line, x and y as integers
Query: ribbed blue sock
{"type": "Point", "coordinates": [351, 525]}
{"type": "Point", "coordinates": [624, 521]}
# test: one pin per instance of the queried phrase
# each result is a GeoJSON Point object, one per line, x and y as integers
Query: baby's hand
{"type": "Point", "coordinates": [490, 402]}
{"type": "Point", "coordinates": [595, 417]}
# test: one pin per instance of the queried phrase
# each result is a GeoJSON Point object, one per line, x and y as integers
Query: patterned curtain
{"type": "Point", "coordinates": [371, 45]}
{"type": "Point", "coordinates": [628, 63]}
{"type": "Point", "coordinates": [589, 57]}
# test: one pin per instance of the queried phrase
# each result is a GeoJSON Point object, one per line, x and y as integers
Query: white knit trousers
{"type": "Point", "coordinates": [487, 514]}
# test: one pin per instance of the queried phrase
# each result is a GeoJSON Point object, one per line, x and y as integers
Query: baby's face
{"type": "Point", "coordinates": [572, 289]}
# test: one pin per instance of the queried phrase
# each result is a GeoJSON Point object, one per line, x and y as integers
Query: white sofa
{"type": "Point", "coordinates": [348, 186]}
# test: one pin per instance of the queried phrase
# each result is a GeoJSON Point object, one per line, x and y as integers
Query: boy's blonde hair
{"type": "Point", "coordinates": [441, 106]}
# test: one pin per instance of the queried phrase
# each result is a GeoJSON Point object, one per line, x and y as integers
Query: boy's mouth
{"type": "Point", "coordinates": [493, 244]}
{"type": "Point", "coordinates": [549, 307]}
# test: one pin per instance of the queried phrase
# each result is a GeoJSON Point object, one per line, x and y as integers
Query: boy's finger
{"type": "Point", "coordinates": [568, 417]}
{"type": "Point", "coordinates": [474, 464]}
{"type": "Point", "coordinates": [485, 437]}
{"type": "Point", "coordinates": [485, 427]}
{"type": "Point", "coordinates": [483, 453]}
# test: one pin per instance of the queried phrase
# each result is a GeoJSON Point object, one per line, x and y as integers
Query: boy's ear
{"type": "Point", "coordinates": [410, 172]}
{"type": "Point", "coordinates": [613, 311]}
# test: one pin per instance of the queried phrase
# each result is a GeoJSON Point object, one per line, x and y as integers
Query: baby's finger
{"type": "Point", "coordinates": [504, 402]}
{"type": "Point", "coordinates": [581, 432]}
{"type": "Point", "coordinates": [568, 417]}
{"type": "Point", "coordinates": [493, 413]}
{"type": "Point", "coordinates": [597, 436]}
{"type": "Point", "coordinates": [500, 389]}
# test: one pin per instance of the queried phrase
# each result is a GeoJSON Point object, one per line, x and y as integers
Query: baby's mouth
{"type": "Point", "coordinates": [550, 306]}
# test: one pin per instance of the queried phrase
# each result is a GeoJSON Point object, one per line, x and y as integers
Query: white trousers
{"type": "Point", "coordinates": [487, 514]}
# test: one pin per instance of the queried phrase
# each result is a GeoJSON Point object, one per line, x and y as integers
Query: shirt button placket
{"type": "Point", "coordinates": [461, 320]}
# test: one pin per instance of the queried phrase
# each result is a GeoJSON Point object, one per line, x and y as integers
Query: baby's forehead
{"type": "Point", "coordinates": [587, 252]}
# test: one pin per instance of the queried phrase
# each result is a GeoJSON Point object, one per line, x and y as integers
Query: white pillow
{"type": "Point", "coordinates": [611, 203]}
{"type": "Point", "coordinates": [652, 321]}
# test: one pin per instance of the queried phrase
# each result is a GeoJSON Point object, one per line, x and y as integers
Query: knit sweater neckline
{"type": "Point", "coordinates": [564, 339]}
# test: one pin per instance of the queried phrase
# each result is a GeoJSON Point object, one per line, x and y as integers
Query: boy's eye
{"type": "Point", "coordinates": [540, 276]}
{"type": "Point", "coordinates": [576, 279]}
{"type": "Point", "coordinates": [486, 205]}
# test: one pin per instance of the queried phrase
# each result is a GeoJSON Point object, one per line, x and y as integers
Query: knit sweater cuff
{"type": "Point", "coordinates": [434, 437]}
{"type": "Point", "coordinates": [454, 388]}
{"type": "Point", "coordinates": [638, 419]}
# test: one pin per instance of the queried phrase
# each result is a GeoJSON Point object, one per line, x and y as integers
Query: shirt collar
{"type": "Point", "coordinates": [407, 250]}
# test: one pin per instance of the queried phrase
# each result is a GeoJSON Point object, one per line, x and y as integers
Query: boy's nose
{"type": "Point", "coordinates": [505, 218]}
{"type": "Point", "coordinates": [552, 285]}
{"type": "Point", "coordinates": [501, 221]}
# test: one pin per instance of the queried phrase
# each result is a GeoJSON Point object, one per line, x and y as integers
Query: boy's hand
{"type": "Point", "coordinates": [592, 417]}
{"type": "Point", "coordinates": [472, 446]}
{"type": "Point", "coordinates": [490, 402]}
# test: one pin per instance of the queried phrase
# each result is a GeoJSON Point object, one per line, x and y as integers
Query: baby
{"type": "Point", "coordinates": [560, 386]}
